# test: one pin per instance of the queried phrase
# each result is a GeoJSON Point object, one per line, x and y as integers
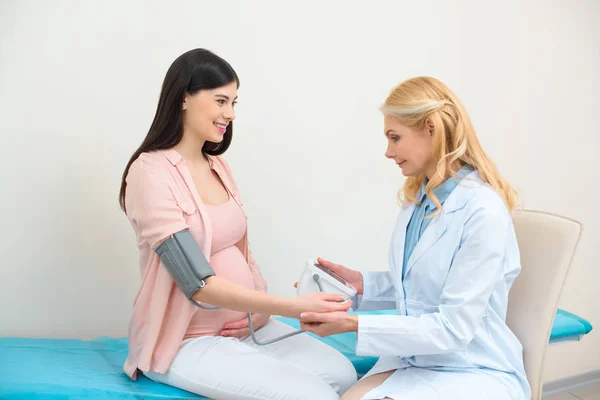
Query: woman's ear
{"type": "Point", "coordinates": [429, 126]}
{"type": "Point", "coordinates": [185, 100]}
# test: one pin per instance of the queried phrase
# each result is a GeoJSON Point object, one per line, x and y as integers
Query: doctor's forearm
{"type": "Point", "coordinates": [405, 336]}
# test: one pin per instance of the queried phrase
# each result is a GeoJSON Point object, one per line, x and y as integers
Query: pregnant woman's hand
{"type": "Point", "coordinates": [317, 302]}
{"type": "Point", "coordinates": [241, 328]}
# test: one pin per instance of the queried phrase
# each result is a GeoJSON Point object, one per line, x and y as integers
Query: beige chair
{"type": "Point", "coordinates": [547, 244]}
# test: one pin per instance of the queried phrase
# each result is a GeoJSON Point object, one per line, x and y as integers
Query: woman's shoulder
{"type": "Point", "coordinates": [151, 163]}
{"type": "Point", "coordinates": [489, 206]}
{"type": "Point", "coordinates": [154, 158]}
{"type": "Point", "coordinates": [481, 197]}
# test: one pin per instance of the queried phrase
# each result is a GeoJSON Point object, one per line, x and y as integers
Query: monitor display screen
{"type": "Point", "coordinates": [332, 274]}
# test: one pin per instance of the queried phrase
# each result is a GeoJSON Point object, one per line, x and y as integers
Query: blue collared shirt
{"type": "Point", "coordinates": [418, 223]}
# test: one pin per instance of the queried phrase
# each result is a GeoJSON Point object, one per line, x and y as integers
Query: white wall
{"type": "Point", "coordinates": [79, 82]}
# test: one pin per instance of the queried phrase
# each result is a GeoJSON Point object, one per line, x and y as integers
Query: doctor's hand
{"type": "Point", "coordinates": [325, 324]}
{"type": "Point", "coordinates": [355, 278]}
{"type": "Point", "coordinates": [241, 328]}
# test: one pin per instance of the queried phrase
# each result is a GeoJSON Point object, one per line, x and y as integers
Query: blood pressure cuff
{"type": "Point", "coordinates": [181, 255]}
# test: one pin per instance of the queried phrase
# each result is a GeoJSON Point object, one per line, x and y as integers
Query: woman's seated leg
{"type": "Point", "coordinates": [226, 368]}
{"type": "Point", "coordinates": [307, 353]}
{"type": "Point", "coordinates": [365, 385]}
{"type": "Point", "coordinates": [425, 384]}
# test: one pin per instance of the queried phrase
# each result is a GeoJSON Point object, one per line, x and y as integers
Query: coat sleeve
{"type": "Point", "coordinates": [378, 294]}
{"type": "Point", "coordinates": [474, 273]}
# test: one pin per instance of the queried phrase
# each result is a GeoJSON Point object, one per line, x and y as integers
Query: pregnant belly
{"type": "Point", "coordinates": [229, 264]}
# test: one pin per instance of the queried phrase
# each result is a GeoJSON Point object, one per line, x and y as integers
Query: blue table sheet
{"type": "Point", "coordinates": [45, 369]}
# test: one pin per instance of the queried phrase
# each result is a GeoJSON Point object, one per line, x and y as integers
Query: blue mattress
{"type": "Point", "coordinates": [46, 369]}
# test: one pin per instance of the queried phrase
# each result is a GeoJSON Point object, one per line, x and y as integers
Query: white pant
{"type": "Point", "coordinates": [297, 368]}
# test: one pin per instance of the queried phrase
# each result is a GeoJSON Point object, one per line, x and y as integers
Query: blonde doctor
{"type": "Point", "coordinates": [453, 258]}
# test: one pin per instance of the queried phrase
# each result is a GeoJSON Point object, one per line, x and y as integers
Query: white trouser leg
{"type": "Point", "coordinates": [299, 368]}
{"type": "Point", "coordinates": [307, 353]}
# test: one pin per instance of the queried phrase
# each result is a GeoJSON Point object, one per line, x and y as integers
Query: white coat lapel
{"type": "Point", "coordinates": [400, 236]}
{"type": "Point", "coordinates": [437, 227]}
{"type": "Point", "coordinates": [434, 231]}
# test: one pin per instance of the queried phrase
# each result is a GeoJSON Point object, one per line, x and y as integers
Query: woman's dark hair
{"type": "Point", "coordinates": [191, 72]}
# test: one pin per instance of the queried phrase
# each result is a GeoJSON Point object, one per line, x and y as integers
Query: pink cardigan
{"type": "Point", "coordinates": [161, 199]}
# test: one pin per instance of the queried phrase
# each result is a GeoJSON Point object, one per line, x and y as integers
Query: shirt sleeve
{"type": "Point", "coordinates": [151, 205]}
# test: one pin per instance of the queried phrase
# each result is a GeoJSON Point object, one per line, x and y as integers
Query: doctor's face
{"type": "Point", "coordinates": [409, 148]}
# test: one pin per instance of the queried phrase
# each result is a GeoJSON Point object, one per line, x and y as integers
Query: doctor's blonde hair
{"type": "Point", "coordinates": [421, 99]}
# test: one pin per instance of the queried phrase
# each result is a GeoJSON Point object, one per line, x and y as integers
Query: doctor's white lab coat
{"type": "Point", "coordinates": [449, 339]}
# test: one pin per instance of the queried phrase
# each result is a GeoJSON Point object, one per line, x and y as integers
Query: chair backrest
{"type": "Point", "coordinates": [547, 244]}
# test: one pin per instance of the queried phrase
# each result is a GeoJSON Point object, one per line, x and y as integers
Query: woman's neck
{"type": "Point", "coordinates": [432, 170]}
{"type": "Point", "coordinates": [191, 150]}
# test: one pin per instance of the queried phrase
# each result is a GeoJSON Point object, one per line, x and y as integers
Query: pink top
{"type": "Point", "coordinates": [229, 225]}
{"type": "Point", "coordinates": [161, 199]}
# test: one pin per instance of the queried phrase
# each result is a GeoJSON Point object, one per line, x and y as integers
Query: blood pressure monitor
{"type": "Point", "coordinates": [316, 278]}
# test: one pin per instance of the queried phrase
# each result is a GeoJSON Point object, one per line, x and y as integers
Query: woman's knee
{"type": "Point", "coordinates": [342, 375]}
{"type": "Point", "coordinates": [327, 363]}
{"type": "Point", "coordinates": [317, 389]}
